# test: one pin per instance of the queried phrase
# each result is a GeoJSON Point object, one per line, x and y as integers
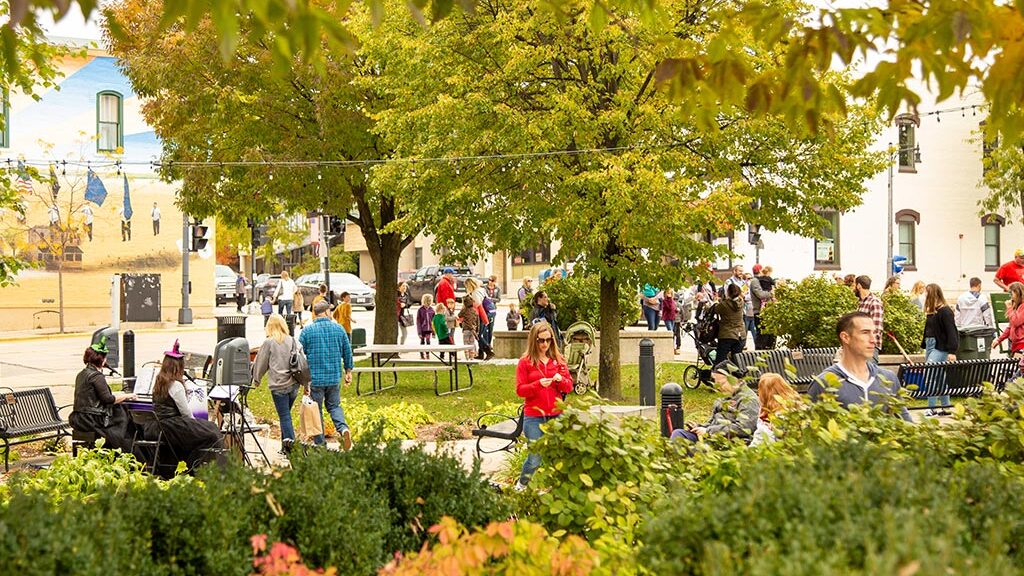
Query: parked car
{"type": "Point", "coordinates": [266, 284]}
{"type": "Point", "coordinates": [224, 284]}
{"type": "Point", "coordinates": [361, 293]}
{"type": "Point", "coordinates": [426, 278]}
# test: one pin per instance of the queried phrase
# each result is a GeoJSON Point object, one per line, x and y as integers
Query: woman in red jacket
{"type": "Point", "coordinates": [542, 377]}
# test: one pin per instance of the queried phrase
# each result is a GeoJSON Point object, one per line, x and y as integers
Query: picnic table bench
{"type": "Point", "coordinates": [384, 359]}
{"type": "Point", "coordinates": [797, 366]}
{"type": "Point", "coordinates": [29, 416]}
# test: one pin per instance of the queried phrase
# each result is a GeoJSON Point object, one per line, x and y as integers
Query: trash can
{"type": "Point", "coordinates": [230, 327]}
{"type": "Point", "coordinates": [975, 342]}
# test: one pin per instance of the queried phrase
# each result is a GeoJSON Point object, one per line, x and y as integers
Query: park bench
{"type": "Point", "coordinates": [198, 364]}
{"type": "Point", "coordinates": [798, 366]}
{"type": "Point", "coordinates": [505, 430]}
{"type": "Point", "coordinates": [29, 416]}
{"type": "Point", "coordinates": [958, 379]}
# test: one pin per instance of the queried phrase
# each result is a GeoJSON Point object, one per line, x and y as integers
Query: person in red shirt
{"type": "Point", "coordinates": [445, 286]}
{"type": "Point", "coordinates": [1015, 314]}
{"type": "Point", "coordinates": [1012, 271]}
{"type": "Point", "coordinates": [542, 378]}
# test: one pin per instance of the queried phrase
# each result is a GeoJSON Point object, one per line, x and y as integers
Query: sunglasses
{"type": "Point", "coordinates": [543, 340]}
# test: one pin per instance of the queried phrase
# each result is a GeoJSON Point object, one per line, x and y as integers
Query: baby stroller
{"type": "Point", "coordinates": [579, 341]}
{"type": "Point", "coordinates": [704, 332]}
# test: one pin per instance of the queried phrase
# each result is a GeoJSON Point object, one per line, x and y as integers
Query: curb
{"type": "Point", "coordinates": [33, 337]}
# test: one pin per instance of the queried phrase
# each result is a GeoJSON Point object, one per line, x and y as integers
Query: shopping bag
{"type": "Point", "coordinates": [310, 424]}
{"type": "Point", "coordinates": [198, 402]}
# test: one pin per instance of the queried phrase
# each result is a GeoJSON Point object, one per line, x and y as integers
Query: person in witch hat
{"type": "Point", "coordinates": [97, 410]}
{"type": "Point", "coordinates": [190, 439]}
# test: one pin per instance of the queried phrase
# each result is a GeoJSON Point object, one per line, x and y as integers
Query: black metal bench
{"type": "Point", "coordinates": [957, 379]}
{"type": "Point", "coordinates": [198, 364]}
{"type": "Point", "coordinates": [798, 367]}
{"type": "Point", "coordinates": [29, 416]}
{"type": "Point", "coordinates": [506, 430]}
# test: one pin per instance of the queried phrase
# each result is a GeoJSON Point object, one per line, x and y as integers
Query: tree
{"type": "Point", "coordinates": [206, 109]}
{"type": "Point", "coordinates": [637, 178]}
{"type": "Point", "coordinates": [1003, 175]}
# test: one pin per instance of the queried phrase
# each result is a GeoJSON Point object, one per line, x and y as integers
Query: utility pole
{"type": "Point", "coordinates": [185, 313]}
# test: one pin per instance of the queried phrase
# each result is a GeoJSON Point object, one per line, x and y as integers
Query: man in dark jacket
{"type": "Point", "coordinates": [734, 416]}
{"type": "Point", "coordinates": [855, 379]}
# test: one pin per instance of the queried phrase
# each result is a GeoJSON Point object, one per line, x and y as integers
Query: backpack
{"type": "Point", "coordinates": [489, 306]}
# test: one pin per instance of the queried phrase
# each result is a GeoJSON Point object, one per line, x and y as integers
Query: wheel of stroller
{"type": "Point", "coordinates": [581, 384]}
{"type": "Point", "coordinates": [691, 377]}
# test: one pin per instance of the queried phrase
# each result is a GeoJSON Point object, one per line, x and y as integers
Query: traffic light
{"type": "Point", "coordinates": [335, 226]}
{"type": "Point", "coordinates": [753, 233]}
{"type": "Point", "coordinates": [199, 237]}
{"type": "Point", "coordinates": [259, 234]}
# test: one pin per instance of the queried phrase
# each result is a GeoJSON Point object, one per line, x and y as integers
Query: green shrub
{"type": "Point", "coordinates": [578, 297]}
{"type": "Point", "coordinates": [395, 421]}
{"type": "Point", "coordinates": [805, 314]}
{"type": "Point", "coordinates": [904, 320]}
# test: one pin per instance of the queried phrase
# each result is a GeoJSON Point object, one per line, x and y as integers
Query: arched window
{"type": "Point", "coordinates": [109, 122]}
{"type": "Point", "coordinates": [826, 246]}
{"type": "Point", "coordinates": [907, 125]}
{"type": "Point", "coordinates": [906, 222]}
{"type": "Point", "coordinates": [992, 225]}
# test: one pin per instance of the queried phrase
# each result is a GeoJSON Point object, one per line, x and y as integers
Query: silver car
{"type": "Point", "coordinates": [361, 293]}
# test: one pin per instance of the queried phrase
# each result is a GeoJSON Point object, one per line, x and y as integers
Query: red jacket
{"type": "Point", "coordinates": [540, 400]}
{"type": "Point", "coordinates": [1015, 331]}
{"type": "Point", "coordinates": [445, 291]}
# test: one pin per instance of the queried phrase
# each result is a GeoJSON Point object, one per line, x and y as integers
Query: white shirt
{"type": "Point", "coordinates": [156, 213]}
{"type": "Point", "coordinates": [54, 214]}
{"type": "Point", "coordinates": [87, 212]}
{"type": "Point", "coordinates": [285, 289]}
{"type": "Point", "coordinates": [857, 381]}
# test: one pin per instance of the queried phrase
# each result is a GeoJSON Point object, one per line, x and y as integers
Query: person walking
{"type": "Point", "coordinates": [155, 214]}
{"type": "Point", "coordinates": [670, 315]}
{"type": "Point", "coordinates": [542, 378]}
{"type": "Point", "coordinates": [424, 322]}
{"type": "Point", "coordinates": [650, 305]}
{"type": "Point", "coordinates": [343, 312]}
{"type": "Point", "coordinates": [480, 301]}
{"type": "Point", "coordinates": [240, 283]}
{"type": "Point", "coordinates": [284, 293]}
{"type": "Point", "coordinates": [1015, 314]}
{"type": "Point", "coordinates": [445, 288]}
{"type": "Point", "coordinates": [492, 298]}
{"type": "Point", "coordinates": [403, 304]}
{"type": "Point", "coordinates": [940, 342]}
{"type": "Point", "coordinates": [525, 294]}
{"type": "Point", "coordinates": [731, 330]}
{"type": "Point", "coordinates": [274, 361]}
{"type": "Point", "coordinates": [328, 350]}
{"type": "Point", "coordinates": [872, 306]}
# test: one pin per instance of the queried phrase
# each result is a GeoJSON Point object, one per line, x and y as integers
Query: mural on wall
{"type": "Point", "coordinates": [79, 159]}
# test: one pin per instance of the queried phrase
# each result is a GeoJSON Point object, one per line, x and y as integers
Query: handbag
{"type": "Point", "coordinates": [405, 318]}
{"type": "Point", "coordinates": [298, 367]}
{"type": "Point", "coordinates": [310, 424]}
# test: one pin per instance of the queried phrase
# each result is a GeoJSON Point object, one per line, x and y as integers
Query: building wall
{"type": "Point", "coordinates": [61, 126]}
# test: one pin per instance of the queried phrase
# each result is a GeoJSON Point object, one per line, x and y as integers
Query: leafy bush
{"type": "Point", "coordinates": [805, 314]}
{"type": "Point", "coordinates": [578, 297]}
{"type": "Point", "coordinates": [396, 421]}
{"type": "Point", "coordinates": [904, 320]}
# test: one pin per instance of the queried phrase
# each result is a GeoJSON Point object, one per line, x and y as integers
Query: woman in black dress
{"type": "Point", "coordinates": [97, 410]}
{"type": "Point", "coordinates": [189, 439]}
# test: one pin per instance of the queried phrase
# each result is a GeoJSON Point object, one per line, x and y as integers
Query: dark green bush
{"type": "Point", "coordinates": [904, 320]}
{"type": "Point", "coordinates": [578, 297]}
{"type": "Point", "coordinates": [805, 314]}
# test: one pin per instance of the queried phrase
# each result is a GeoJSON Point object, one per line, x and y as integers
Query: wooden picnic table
{"type": "Point", "coordinates": [443, 358]}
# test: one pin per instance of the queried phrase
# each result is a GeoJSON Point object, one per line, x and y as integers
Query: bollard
{"type": "Point", "coordinates": [647, 372]}
{"type": "Point", "coordinates": [671, 414]}
{"type": "Point", "coordinates": [128, 353]}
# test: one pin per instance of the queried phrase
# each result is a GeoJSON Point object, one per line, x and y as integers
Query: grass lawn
{"type": "Point", "coordinates": [494, 386]}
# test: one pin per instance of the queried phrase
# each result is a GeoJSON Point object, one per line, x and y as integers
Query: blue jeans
{"type": "Point", "coordinates": [671, 326]}
{"type": "Point", "coordinates": [283, 402]}
{"type": "Point", "coordinates": [933, 356]}
{"type": "Point", "coordinates": [651, 315]}
{"type": "Point", "coordinates": [532, 431]}
{"type": "Point", "coordinates": [488, 331]}
{"type": "Point", "coordinates": [330, 395]}
{"type": "Point", "coordinates": [283, 305]}
{"type": "Point", "coordinates": [750, 323]}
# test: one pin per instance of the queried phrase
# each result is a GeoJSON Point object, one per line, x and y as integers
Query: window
{"type": "Point", "coordinates": [109, 124]}
{"type": "Point", "coordinates": [906, 222]}
{"type": "Point", "coordinates": [826, 246]}
{"type": "Point", "coordinates": [907, 125]}
{"type": "Point", "coordinates": [418, 259]}
{"type": "Point", "coordinates": [540, 254]}
{"type": "Point", "coordinates": [991, 224]}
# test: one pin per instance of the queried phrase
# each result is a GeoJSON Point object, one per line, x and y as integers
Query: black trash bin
{"type": "Point", "coordinates": [975, 342]}
{"type": "Point", "coordinates": [230, 327]}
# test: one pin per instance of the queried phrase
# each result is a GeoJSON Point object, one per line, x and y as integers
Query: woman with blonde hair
{"type": "Point", "coordinates": [917, 294]}
{"type": "Point", "coordinates": [542, 378]}
{"type": "Point", "coordinates": [775, 395]}
{"type": "Point", "coordinates": [274, 361]}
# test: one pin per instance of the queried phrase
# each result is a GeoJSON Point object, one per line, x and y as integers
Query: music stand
{"type": "Point", "coordinates": [236, 398]}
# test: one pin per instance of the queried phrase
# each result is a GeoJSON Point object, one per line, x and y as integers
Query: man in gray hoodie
{"type": "Point", "coordinates": [855, 379]}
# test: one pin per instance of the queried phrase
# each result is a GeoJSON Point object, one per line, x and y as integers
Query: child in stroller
{"type": "Point", "coordinates": [580, 338]}
{"type": "Point", "coordinates": [704, 331]}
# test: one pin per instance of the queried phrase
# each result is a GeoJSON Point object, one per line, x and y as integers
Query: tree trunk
{"type": "Point", "coordinates": [385, 257]}
{"type": "Point", "coordinates": [608, 374]}
{"type": "Point", "coordinates": [60, 292]}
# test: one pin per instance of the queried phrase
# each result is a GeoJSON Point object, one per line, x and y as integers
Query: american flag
{"type": "Point", "coordinates": [24, 178]}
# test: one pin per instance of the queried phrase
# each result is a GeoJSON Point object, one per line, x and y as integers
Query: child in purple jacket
{"type": "Point", "coordinates": [424, 322]}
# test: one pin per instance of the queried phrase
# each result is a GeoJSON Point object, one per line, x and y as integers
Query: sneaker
{"type": "Point", "coordinates": [346, 440]}
{"type": "Point", "coordinates": [519, 486]}
{"type": "Point", "coordinates": [286, 446]}
{"type": "Point", "coordinates": [930, 414]}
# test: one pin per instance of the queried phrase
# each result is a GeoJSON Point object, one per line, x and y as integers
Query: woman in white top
{"type": "Point", "coordinates": [188, 438]}
{"type": "Point", "coordinates": [285, 293]}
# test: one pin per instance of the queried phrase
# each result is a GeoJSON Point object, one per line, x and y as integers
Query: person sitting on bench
{"type": "Point", "coordinates": [734, 416]}
{"type": "Point", "coordinates": [190, 439]}
{"type": "Point", "coordinates": [97, 410]}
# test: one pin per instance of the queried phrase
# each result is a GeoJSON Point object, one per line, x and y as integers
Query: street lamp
{"type": "Point", "coordinates": [893, 155]}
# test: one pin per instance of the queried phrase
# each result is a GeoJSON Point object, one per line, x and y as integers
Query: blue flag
{"type": "Point", "coordinates": [95, 191]}
{"type": "Point", "coordinates": [127, 200]}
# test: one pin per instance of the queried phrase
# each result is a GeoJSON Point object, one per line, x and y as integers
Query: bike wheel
{"type": "Point", "coordinates": [691, 377]}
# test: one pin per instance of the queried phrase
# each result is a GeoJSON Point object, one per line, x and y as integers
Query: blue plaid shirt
{"type": "Point", "coordinates": [326, 345]}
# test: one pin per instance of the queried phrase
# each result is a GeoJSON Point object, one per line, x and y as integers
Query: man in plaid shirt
{"type": "Point", "coordinates": [327, 346]}
{"type": "Point", "coordinates": [872, 306]}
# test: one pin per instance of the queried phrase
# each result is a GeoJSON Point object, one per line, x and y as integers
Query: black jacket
{"type": "Point", "coordinates": [942, 326]}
